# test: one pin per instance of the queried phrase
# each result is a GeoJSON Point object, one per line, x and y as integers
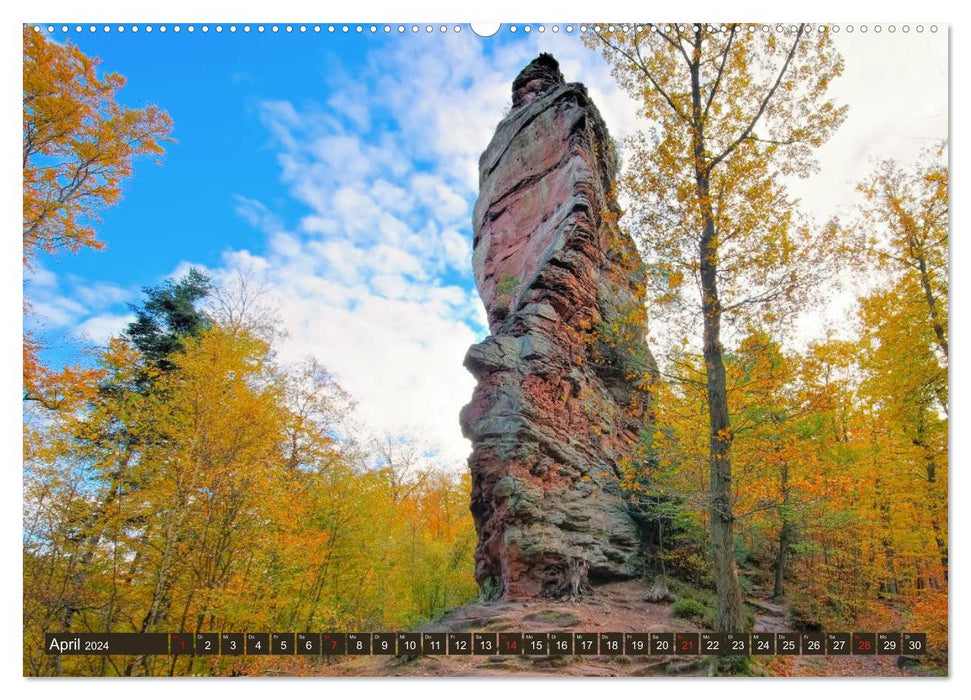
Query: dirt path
{"type": "Point", "coordinates": [772, 616]}
{"type": "Point", "coordinates": [615, 607]}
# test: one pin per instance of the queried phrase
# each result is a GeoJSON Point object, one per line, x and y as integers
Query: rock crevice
{"type": "Point", "coordinates": [563, 380]}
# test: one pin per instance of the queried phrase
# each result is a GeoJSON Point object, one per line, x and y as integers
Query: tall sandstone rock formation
{"type": "Point", "coordinates": [564, 378]}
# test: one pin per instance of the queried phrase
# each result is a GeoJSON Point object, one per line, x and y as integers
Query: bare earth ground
{"type": "Point", "coordinates": [615, 607]}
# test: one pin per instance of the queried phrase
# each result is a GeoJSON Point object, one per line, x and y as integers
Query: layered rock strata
{"type": "Point", "coordinates": [563, 381]}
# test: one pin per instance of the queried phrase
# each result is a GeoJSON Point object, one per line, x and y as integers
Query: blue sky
{"type": "Point", "coordinates": [341, 169]}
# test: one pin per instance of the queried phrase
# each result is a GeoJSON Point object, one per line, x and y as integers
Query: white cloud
{"type": "Point", "coordinates": [345, 153]}
{"type": "Point", "coordinates": [280, 117]}
{"type": "Point", "coordinates": [392, 197]}
{"type": "Point", "coordinates": [391, 286]}
{"type": "Point", "coordinates": [285, 244]}
{"type": "Point", "coordinates": [435, 193]}
{"type": "Point", "coordinates": [40, 276]}
{"type": "Point", "coordinates": [457, 248]}
{"type": "Point", "coordinates": [395, 345]}
{"type": "Point", "coordinates": [373, 275]}
{"type": "Point", "coordinates": [319, 224]}
{"type": "Point", "coordinates": [98, 329]}
{"type": "Point", "coordinates": [352, 106]}
{"type": "Point", "coordinates": [56, 311]}
{"type": "Point", "coordinates": [246, 261]}
{"type": "Point", "coordinates": [896, 86]}
{"type": "Point", "coordinates": [256, 214]}
{"type": "Point", "coordinates": [69, 302]}
{"type": "Point", "coordinates": [355, 209]}
{"type": "Point", "coordinates": [100, 294]}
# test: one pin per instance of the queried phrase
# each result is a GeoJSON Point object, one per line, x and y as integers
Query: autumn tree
{"type": "Point", "coordinates": [733, 110]}
{"type": "Point", "coordinates": [784, 462]}
{"type": "Point", "coordinates": [904, 321]}
{"type": "Point", "coordinates": [903, 233]}
{"type": "Point", "coordinates": [222, 490]}
{"type": "Point", "coordinates": [902, 237]}
{"type": "Point", "coordinates": [784, 451]}
{"type": "Point", "coordinates": [111, 416]}
{"type": "Point", "coordinates": [79, 146]}
{"type": "Point", "coordinates": [763, 409]}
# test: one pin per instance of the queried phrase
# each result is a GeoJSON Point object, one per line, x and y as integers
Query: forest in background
{"type": "Point", "coordinates": [184, 479]}
{"type": "Point", "coordinates": [190, 482]}
{"type": "Point", "coordinates": [812, 469]}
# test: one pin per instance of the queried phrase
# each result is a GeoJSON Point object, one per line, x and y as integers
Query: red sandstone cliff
{"type": "Point", "coordinates": [563, 379]}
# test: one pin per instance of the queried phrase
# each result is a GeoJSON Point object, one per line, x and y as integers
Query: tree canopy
{"type": "Point", "coordinates": [731, 110]}
{"type": "Point", "coordinates": [79, 144]}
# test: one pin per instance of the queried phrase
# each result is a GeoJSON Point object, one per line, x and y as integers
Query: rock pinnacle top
{"type": "Point", "coordinates": [542, 73]}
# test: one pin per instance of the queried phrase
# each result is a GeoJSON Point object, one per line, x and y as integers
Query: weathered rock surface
{"type": "Point", "coordinates": [564, 377]}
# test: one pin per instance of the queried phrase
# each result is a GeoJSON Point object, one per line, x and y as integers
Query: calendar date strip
{"type": "Point", "coordinates": [486, 643]}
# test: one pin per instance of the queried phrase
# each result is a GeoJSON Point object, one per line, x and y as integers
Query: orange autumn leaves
{"type": "Point", "coordinates": [229, 493]}
{"type": "Point", "coordinates": [831, 457]}
{"type": "Point", "coordinates": [220, 490]}
{"type": "Point", "coordinates": [846, 441]}
{"type": "Point", "coordinates": [79, 144]}
{"type": "Point", "coordinates": [835, 449]}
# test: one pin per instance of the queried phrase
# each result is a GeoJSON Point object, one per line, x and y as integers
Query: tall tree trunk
{"type": "Point", "coordinates": [890, 582]}
{"type": "Point", "coordinates": [785, 541]}
{"type": "Point", "coordinates": [931, 467]}
{"type": "Point", "coordinates": [925, 283]}
{"type": "Point", "coordinates": [720, 430]}
{"type": "Point", "coordinates": [719, 446]}
{"type": "Point", "coordinates": [719, 443]}
{"type": "Point", "coordinates": [785, 537]}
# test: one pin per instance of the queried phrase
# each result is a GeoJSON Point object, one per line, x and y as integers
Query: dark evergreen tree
{"type": "Point", "coordinates": [169, 315]}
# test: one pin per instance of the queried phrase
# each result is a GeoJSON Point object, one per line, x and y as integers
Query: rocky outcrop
{"type": "Point", "coordinates": [564, 379]}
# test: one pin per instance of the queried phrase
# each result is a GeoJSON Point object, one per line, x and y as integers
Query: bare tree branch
{"type": "Point", "coordinates": [639, 62]}
{"type": "Point", "coordinates": [721, 71]}
{"type": "Point", "coordinates": [765, 102]}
